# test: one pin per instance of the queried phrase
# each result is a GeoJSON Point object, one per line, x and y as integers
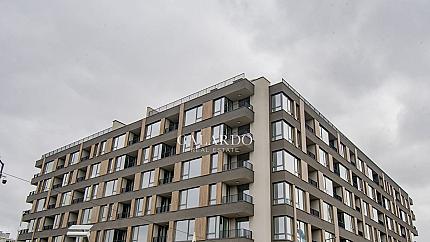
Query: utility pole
{"type": "Point", "coordinates": [2, 178]}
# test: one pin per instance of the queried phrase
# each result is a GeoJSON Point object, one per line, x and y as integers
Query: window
{"type": "Point", "coordinates": [282, 130]}
{"type": "Point", "coordinates": [283, 228]}
{"type": "Point", "coordinates": [49, 167]}
{"type": "Point", "coordinates": [139, 207]}
{"type": "Point", "coordinates": [214, 226]}
{"type": "Point", "coordinates": [342, 149]}
{"type": "Point", "coordinates": [348, 198]}
{"type": "Point", "coordinates": [58, 221]}
{"type": "Point", "coordinates": [327, 212]}
{"type": "Point", "coordinates": [86, 216]}
{"type": "Point", "coordinates": [300, 199]}
{"type": "Point", "coordinates": [282, 193]}
{"type": "Point", "coordinates": [370, 191]}
{"type": "Point", "coordinates": [40, 205]}
{"type": "Point", "coordinates": [193, 115]}
{"type": "Point", "coordinates": [302, 233]}
{"type": "Point", "coordinates": [47, 184]}
{"type": "Point", "coordinates": [94, 191]}
{"type": "Point", "coordinates": [105, 213]}
{"type": "Point", "coordinates": [342, 171]}
{"type": "Point", "coordinates": [186, 143]}
{"type": "Point", "coordinates": [370, 173]}
{"type": "Point", "coordinates": [118, 142]}
{"type": "Point", "coordinates": [212, 194]}
{"type": "Point", "coordinates": [148, 179]}
{"type": "Point", "coordinates": [359, 165]}
{"type": "Point", "coordinates": [346, 221]}
{"type": "Point", "coordinates": [148, 207]}
{"type": "Point", "coordinates": [102, 148]}
{"type": "Point", "coordinates": [152, 130]}
{"type": "Point", "coordinates": [140, 234]}
{"type": "Point", "coordinates": [214, 163]}
{"type": "Point", "coordinates": [109, 235]}
{"type": "Point", "coordinates": [329, 237]}
{"type": "Point", "coordinates": [120, 163]}
{"type": "Point", "coordinates": [281, 101]}
{"type": "Point", "coordinates": [375, 214]}
{"type": "Point", "coordinates": [189, 198]}
{"type": "Point", "coordinates": [284, 161]}
{"type": "Point", "coordinates": [95, 170]}
{"type": "Point", "coordinates": [323, 157]}
{"type": "Point", "coordinates": [184, 230]}
{"type": "Point", "coordinates": [220, 133]}
{"type": "Point", "coordinates": [111, 188]}
{"type": "Point", "coordinates": [74, 158]}
{"type": "Point", "coordinates": [328, 186]}
{"type": "Point", "coordinates": [365, 208]}
{"type": "Point", "coordinates": [367, 232]}
{"type": "Point", "coordinates": [191, 168]}
{"type": "Point", "coordinates": [145, 155]}
{"type": "Point", "coordinates": [222, 105]}
{"type": "Point", "coordinates": [66, 198]}
{"type": "Point", "coordinates": [66, 179]}
{"type": "Point", "coordinates": [87, 193]}
{"type": "Point", "coordinates": [160, 151]}
{"type": "Point", "coordinates": [197, 139]}
{"type": "Point", "coordinates": [324, 135]}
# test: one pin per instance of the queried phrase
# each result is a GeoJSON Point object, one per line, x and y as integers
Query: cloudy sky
{"type": "Point", "coordinates": [68, 68]}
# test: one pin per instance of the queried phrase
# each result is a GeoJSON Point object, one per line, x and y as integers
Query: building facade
{"type": "Point", "coordinates": [240, 161]}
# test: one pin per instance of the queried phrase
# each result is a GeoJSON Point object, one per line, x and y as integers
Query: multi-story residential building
{"type": "Point", "coordinates": [5, 237]}
{"type": "Point", "coordinates": [239, 161]}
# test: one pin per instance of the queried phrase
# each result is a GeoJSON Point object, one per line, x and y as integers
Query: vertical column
{"type": "Point", "coordinates": [261, 222]}
{"type": "Point", "coordinates": [302, 125]}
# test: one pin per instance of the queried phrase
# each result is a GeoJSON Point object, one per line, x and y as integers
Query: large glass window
{"type": "Point", "coordinates": [284, 161]}
{"type": "Point", "coordinates": [95, 170]}
{"type": "Point", "coordinates": [348, 221]}
{"type": "Point", "coordinates": [66, 199]}
{"type": "Point", "coordinates": [152, 130]}
{"type": "Point", "coordinates": [359, 165]}
{"type": "Point", "coordinates": [214, 227]}
{"type": "Point", "coordinates": [140, 234]}
{"type": "Point", "coordinates": [118, 142]}
{"type": "Point", "coordinates": [302, 232]}
{"type": "Point", "coordinates": [74, 157]}
{"type": "Point", "coordinates": [212, 194]}
{"type": "Point", "coordinates": [222, 105]}
{"type": "Point", "coordinates": [139, 207]}
{"type": "Point", "coordinates": [58, 219]}
{"type": "Point", "coordinates": [193, 115]}
{"type": "Point", "coordinates": [283, 228]}
{"type": "Point", "coordinates": [329, 237]}
{"type": "Point", "coordinates": [148, 207]}
{"type": "Point", "coordinates": [186, 143]}
{"type": "Point", "coordinates": [148, 179]}
{"type": "Point", "coordinates": [102, 148]}
{"type": "Point", "coordinates": [324, 135]}
{"type": "Point", "coordinates": [328, 186]}
{"type": "Point", "coordinates": [220, 133]}
{"type": "Point", "coordinates": [189, 198]}
{"type": "Point", "coordinates": [184, 230]}
{"type": "Point", "coordinates": [109, 235]}
{"type": "Point", "coordinates": [49, 167]}
{"type": "Point", "coordinates": [86, 216]}
{"type": "Point", "coordinates": [214, 163]}
{"type": "Point", "coordinates": [348, 198]}
{"type": "Point", "coordinates": [111, 188]}
{"type": "Point", "coordinates": [370, 191]}
{"type": "Point", "coordinates": [145, 155]}
{"type": "Point", "coordinates": [40, 205]}
{"type": "Point", "coordinates": [300, 199]}
{"type": "Point", "coordinates": [281, 101]}
{"type": "Point", "coordinates": [282, 130]}
{"type": "Point", "coordinates": [342, 171]}
{"type": "Point", "coordinates": [327, 212]}
{"type": "Point", "coordinates": [323, 157]}
{"type": "Point", "coordinates": [282, 193]}
{"type": "Point", "coordinates": [191, 168]}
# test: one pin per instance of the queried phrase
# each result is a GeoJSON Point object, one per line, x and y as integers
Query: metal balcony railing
{"type": "Point", "coordinates": [77, 200]}
{"type": "Point", "coordinates": [165, 180]}
{"type": "Point", "coordinates": [79, 179]}
{"type": "Point", "coordinates": [159, 239]}
{"type": "Point", "coordinates": [315, 213]}
{"type": "Point", "coordinates": [123, 215]}
{"type": "Point", "coordinates": [235, 233]}
{"type": "Point", "coordinates": [313, 183]}
{"type": "Point", "coordinates": [237, 198]}
{"type": "Point", "coordinates": [196, 94]}
{"type": "Point", "coordinates": [239, 164]}
{"type": "Point", "coordinates": [163, 209]}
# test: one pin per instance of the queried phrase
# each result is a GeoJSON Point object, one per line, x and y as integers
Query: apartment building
{"type": "Point", "coordinates": [240, 161]}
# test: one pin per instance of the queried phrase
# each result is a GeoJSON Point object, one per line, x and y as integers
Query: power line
{"type": "Point", "coordinates": [113, 210]}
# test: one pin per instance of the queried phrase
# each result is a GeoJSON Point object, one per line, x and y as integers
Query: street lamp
{"type": "Point", "coordinates": [2, 178]}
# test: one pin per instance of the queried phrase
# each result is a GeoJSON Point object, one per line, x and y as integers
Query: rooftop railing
{"type": "Point", "coordinates": [197, 94]}
{"type": "Point", "coordinates": [105, 131]}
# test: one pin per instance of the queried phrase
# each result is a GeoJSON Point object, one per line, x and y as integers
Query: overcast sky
{"type": "Point", "coordinates": [68, 68]}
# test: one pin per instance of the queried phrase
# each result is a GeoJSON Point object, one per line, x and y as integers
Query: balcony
{"type": "Point", "coordinates": [79, 179]}
{"type": "Point", "coordinates": [134, 140]}
{"type": "Point", "coordinates": [312, 155]}
{"type": "Point", "coordinates": [315, 213]}
{"type": "Point", "coordinates": [313, 183]}
{"type": "Point", "coordinates": [127, 189]}
{"type": "Point", "coordinates": [237, 198]}
{"type": "Point", "coordinates": [165, 180]}
{"type": "Point", "coordinates": [235, 165]}
{"type": "Point", "coordinates": [47, 227]}
{"type": "Point", "coordinates": [70, 223]}
{"type": "Point", "coordinates": [337, 197]}
{"type": "Point", "coordinates": [51, 206]}
{"type": "Point", "coordinates": [123, 215]}
{"type": "Point", "coordinates": [77, 200]}
{"type": "Point", "coordinates": [159, 239]}
{"type": "Point", "coordinates": [235, 233]}
{"type": "Point", "coordinates": [163, 209]}
{"type": "Point", "coordinates": [85, 158]}
{"type": "Point", "coordinates": [130, 162]}
{"type": "Point", "coordinates": [60, 167]}
{"type": "Point", "coordinates": [308, 127]}
{"type": "Point", "coordinates": [26, 212]}
{"type": "Point", "coordinates": [56, 186]}
{"type": "Point", "coordinates": [23, 231]}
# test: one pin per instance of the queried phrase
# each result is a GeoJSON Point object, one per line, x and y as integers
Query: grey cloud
{"type": "Point", "coordinates": [67, 69]}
